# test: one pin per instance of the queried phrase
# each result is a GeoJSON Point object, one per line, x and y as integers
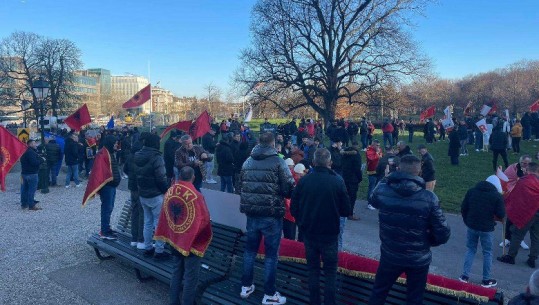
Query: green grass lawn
{"type": "Point", "coordinates": [452, 182]}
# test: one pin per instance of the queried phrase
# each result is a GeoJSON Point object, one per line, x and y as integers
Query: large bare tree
{"type": "Point", "coordinates": [329, 50]}
{"type": "Point", "coordinates": [25, 56]}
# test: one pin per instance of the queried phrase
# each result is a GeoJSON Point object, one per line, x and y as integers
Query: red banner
{"type": "Point", "coordinates": [535, 106]}
{"type": "Point", "coordinates": [201, 126]}
{"type": "Point", "coordinates": [468, 109]}
{"type": "Point", "coordinates": [182, 125]}
{"type": "Point", "coordinates": [428, 113]}
{"type": "Point", "coordinates": [11, 149]}
{"type": "Point", "coordinates": [100, 175]}
{"type": "Point", "coordinates": [184, 222]}
{"type": "Point", "coordinates": [78, 119]}
{"type": "Point", "coordinates": [140, 98]}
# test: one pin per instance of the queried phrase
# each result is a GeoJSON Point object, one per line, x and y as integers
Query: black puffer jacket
{"type": "Point", "coordinates": [170, 148]}
{"type": "Point", "coordinates": [108, 143]}
{"type": "Point", "coordinates": [498, 140]}
{"type": "Point", "coordinates": [351, 166]}
{"type": "Point", "coordinates": [53, 152]}
{"type": "Point", "coordinates": [265, 181]}
{"type": "Point", "coordinates": [150, 172]}
{"type": "Point", "coordinates": [480, 205]}
{"type": "Point", "coordinates": [30, 162]}
{"type": "Point", "coordinates": [71, 152]}
{"type": "Point", "coordinates": [411, 220]}
{"type": "Point", "coordinates": [129, 166]}
{"type": "Point", "coordinates": [427, 168]}
{"type": "Point", "coordinates": [225, 159]}
{"type": "Point", "coordinates": [336, 159]}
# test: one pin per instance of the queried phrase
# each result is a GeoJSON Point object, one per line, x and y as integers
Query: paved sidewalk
{"type": "Point", "coordinates": [44, 258]}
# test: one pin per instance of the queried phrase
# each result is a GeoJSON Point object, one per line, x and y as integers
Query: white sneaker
{"type": "Point", "coordinates": [67, 186]}
{"type": "Point", "coordinates": [507, 243]}
{"type": "Point", "coordinates": [524, 246]}
{"type": "Point", "coordinates": [275, 299]}
{"type": "Point", "coordinates": [141, 246]}
{"type": "Point", "coordinates": [246, 291]}
{"type": "Point", "coordinates": [211, 181]}
{"type": "Point", "coordinates": [78, 185]}
{"type": "Point", "coordinates": [477, 150]}
{"type": "Point", "coordinates": [133, 244]}
{"type": "Point", "coordinates": [370, 207]}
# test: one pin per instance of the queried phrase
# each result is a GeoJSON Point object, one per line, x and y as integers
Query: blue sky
{"type": "Point", "coordinates": [191, 44]}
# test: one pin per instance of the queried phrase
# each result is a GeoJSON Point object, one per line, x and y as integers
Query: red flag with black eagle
{"type": "Point", "coordinates": [182, 125]}
{"type": "Point", "coordinates": [78, 119]}
{"type": "Point", "coordinates": [201, 126]}
{"type": "Point", "coordinates": [139, 98]}
{"type": "Point", "coordinates": [428, 113]}
{"type": "Point", "coordinates": [535, 106]}
{"type": "Point", "coordinates": [184, 222]}
{"type": "Point", "coordinates": [523, 201]}
{"type": "Point", "coordinates": [100, 175]}
{"type": "Point", "coordinates": [11, 149]}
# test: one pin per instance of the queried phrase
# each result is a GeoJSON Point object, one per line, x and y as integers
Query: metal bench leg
{"type": "Point", "coordinates": [102, 257]}
{"type": "Point", "coordinates": [141, 278]}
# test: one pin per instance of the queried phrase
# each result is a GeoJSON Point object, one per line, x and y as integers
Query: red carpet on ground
{"type": "Point", "coordinates": [363, 267]}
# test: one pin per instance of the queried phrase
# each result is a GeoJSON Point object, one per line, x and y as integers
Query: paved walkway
{"type": "Point", "coordinates": [44, 257]}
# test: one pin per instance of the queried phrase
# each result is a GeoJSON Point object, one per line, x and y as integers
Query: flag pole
{"type": "Point", "coordinates": [151, 97]}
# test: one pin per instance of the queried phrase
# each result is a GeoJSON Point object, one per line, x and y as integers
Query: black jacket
{"type": "Point", "coordinates": [336, 159]}
{"type": "Point", "coordinates": [53, 152]}
{"type": "Point", "coordinates": [129, 166]}
{"type": "Point", "coordinates": [351, 166]}
{"type": "Point", "coordinates": [208, 143]}
{"type": "Point", "coordinates": [404, 152]}
{"type": "Point", "coordinates": [454, 144]}
{"type": "Point", "coordinates": [480, 205]}
{"type": "Point", "coordinates": [240, 155]}
{"type": "Point", "coordinates": [317, 209]}
{"type": "Point", "coordinates": [427, 168]}
{"type": "Point", "coordinates": [30, 162]}
{"type": "Point", "coordinates": [225, 159]}
{"type": "Point", "coordinates": [411, 220]}
{"type": "Point", "coordinates": [71, 152]}
{"type": "Point", "coordinates": [108, 144]}
{"type": "Point", "coordinates": [150, 172]}
{"type": "Point", "coordinates": [498, 140]}
{"type": "Point", "coordinates": [265, 180]}
{"type": "Point", "coordinates": [169, 152]}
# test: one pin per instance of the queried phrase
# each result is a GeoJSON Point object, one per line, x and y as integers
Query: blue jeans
{"type": "Point", "coordinates": [527, 132]}
{"type": "Point", "coordinates": [107, 194]}
{"type": "Point", "coordinates": [226, 183]}
{"type": "Point", "coordinates": [28, 190]}
{"type": "Point", "coordinates": [327, 250]}
{"type": "Point", "coordinates": [72, 171]}
{"type": "Point", "coordinates": [410, 137]}
{"type": "Point", "coordinates": [88, 164]}
{"type": "Point", "coordinates": [373, 180]}
{"type": "Point", "coordinates": [363, 140]}
{"type": "Point", "coordinates": [270, 228]}
{"type": "Point", "coordinates": [183, 284]}
{"type": "Point", "coordinates": [342, 222]}
{"type": "Point", "coordinates": [478, 140]}
{"type": "Point", "coordinates": [152, 210]}
{"type": "Point", "coordinates": [209, 170]}
{"type": "Point", "coordinates": [472, 239]}
{"type": "Point", "coordinates": [52, 174]}
{"type": "Point", "coordinates": [388, 138]}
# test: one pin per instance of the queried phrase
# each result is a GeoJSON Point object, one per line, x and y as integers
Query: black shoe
{"type": "Point", "coordinates": [531, 263]}
{"type": "Point", "coordinates": [508, 259]}
{"type": "Point", "coordinates": [36, 201]}
{"type": "Point", "coordinates": [489, 283]}
{"type": "Point", "coordinates": [161, 256]}
{"type": "Point", "coordinates": [149, 253]}
{"type": "Point", "coordinates": [109, 236]}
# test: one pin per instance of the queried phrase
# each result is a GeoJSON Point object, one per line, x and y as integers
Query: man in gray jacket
{"type": "Point", "coordinates": [265, 181]}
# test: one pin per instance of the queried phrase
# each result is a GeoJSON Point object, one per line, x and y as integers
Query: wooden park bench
{"type": "Point", "coordinates": [215, 265]}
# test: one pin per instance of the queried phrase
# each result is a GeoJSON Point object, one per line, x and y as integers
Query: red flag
{"type": "Point", "coordinates": [140, 98]}
{"type": "Point", "coordinates": [184, 222]}
{"type": "Point", "coordinates": [100, 175]}
{"type": "Point", "coordinates": [201, 126]}
{"type": "Point", "coordinates": [468, 109]}
{"type": "Point", "coordinates": [182, 125]}
{"type": "Point", "coordinates": [493, 109]}
{"type": "Point", "coordinates": [78, 119]}
{"type": "Point", "coordinates": [428, 113]}
{"type": "Point", "coordinates": [535, 106]}
{"type": "Point", "coordinates": [11, 149]}
{"type": "Point", "coordinates": [523, 201]}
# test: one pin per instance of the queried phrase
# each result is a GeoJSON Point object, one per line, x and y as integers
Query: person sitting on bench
{"type": "Point", "coordinates": [184, 223]}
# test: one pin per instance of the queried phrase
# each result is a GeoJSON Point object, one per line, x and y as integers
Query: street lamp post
{"type": "Point", "coordinates": [41, 90]}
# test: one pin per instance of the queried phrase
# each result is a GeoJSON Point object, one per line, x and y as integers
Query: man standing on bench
{"type": "Point", "coordinates": [318, 211]}
{"type": "Point", "coordinates": [265, 181]}
{"type": "Point", "coordinates": [411, 222]}
{"type": "Point", "coordinates": [184, 223]}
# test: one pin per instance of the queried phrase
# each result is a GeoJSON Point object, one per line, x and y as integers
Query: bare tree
{"type": "Point", "coordinates": [327, 50]}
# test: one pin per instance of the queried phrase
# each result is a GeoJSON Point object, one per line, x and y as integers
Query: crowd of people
{"type": "Point", "coordinates": [278, 177]}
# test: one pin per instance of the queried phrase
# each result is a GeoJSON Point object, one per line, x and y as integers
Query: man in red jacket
{"type": "Point", "coordinates": [522, 208]}
{"type": "Point", "coordinates": [373, 153]}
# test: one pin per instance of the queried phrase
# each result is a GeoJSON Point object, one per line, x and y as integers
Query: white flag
{"type": "Point", "coordinates": [448, 124]}
{"type": "Point", "coordinates": [447, 112]}
{"type": "Point", "coordinates": [249, 115]}
{"type": "Point", "coordinates": [485, 110]}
